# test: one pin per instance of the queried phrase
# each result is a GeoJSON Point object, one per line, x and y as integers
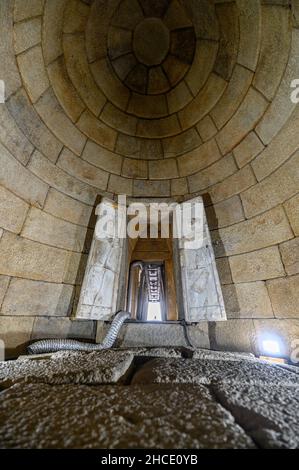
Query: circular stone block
{"type": "Point", "coordinates": [151, 41]}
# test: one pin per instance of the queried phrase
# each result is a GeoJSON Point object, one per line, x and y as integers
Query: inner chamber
{"type": "Point", "coordinates": [151, 285]}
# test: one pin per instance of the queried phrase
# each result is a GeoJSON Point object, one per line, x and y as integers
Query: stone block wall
{"type": "Point", "coordinates": [216, 119]}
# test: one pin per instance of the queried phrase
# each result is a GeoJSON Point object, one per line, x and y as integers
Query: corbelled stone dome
{"type": "Point", "coordinates": [149, 98]}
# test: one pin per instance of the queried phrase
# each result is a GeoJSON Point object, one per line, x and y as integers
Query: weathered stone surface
{"type": "Point", "coordinates": [206, 128]}
{"type": "Point", "coordinates": [284, 294]}
{"type": "Point", "coordinates": [179, 186]}
{"type": "Point", "coordinates": [80, 74]}
{"type": "Point", "coordinates": [12, 211]}
{"type": "Point", "coordinates": [135, 168]}
{"type": "Point", "coordinates": [232, 97]}
{"type": "Point", "coordinates": [247, 300]}
{"type": "Point", "coordinates": [62, 327]}
{"type": "Point", "coordinates": [20, 181]}
{"type": "Point", "coordinates": [179, 97]}
{"type": "Point", "coordinates": [13, 138]}
{"type": "Point", "coordinates": [4, 281]}
{"type": "Point", "coordinates": [26, 259]}
{"type": "Point", "coordinates": [136, 335]}
{"type": "Point", "coordinates": [282, 106]}
{"type": "Point", "coordinates": [290, 256]}
{"type": "Point", "coordinates": [257, 266]}
{"type": "Point", "coordinates": [9, 70]}
{"type": "Point", "coordinates": [274, 190]}
{"type": "Point", "coordinates": [225, 213]}
{"type": "Point", "coordinates": [224, 271]}
{"type": "Point", "coordinates": [45, 228]}
{"type": "Point", "coordinates": [205, 372]}
{"type": "Point", "coordinates": [229, 39]}
{"type": "Point", "coordinates": [243, 121]}
{"type": "Point", "coordinates": [27, 34]}
{"type": "Point", "coordinates": [102, 158]}
{"type": "Point", "coordinates": [64, 89]}
{"type": "Point", "coordinates": [212, 175]}
{"type": "Point", "coordinates": [97, 130]}
{"type": "Point", "coordinates": [90, 368]}
{"type": "Point", "coordinates": [52, 113]}
{"type": "Point", "coordinates": [15, 332]}
{"type": "Point", "coordinates": [151, 188]}
{"type": "Point", "coordinates": [27, 8]}
{"type": "Point", "coordinates": [260, 232]}
{"type": "Point", "coordinates": [248, 149]}
{"type": "Point", "coordinates": [139, 417]}
{"type": "Point", "coordinates": [250, 32]}
{"type": "Point", "coordinates": [32, 298]}
{"type": "Point", "coordinates": [202, 66]}
{"type": "Point", "coordinates": [159, 128]}
{"type": "Point", "coordinates": [234, 184]}
{"type": "Point", "coordinates": [52, 29]}
{"type": "Point", "coordinates": [76, 15]}
{"type": "Point", "coordinates": [32, 126]}
{"type": "Point", "coordinates": [32, 68]}
{"type": "Point", "coordinates": [283, 146]}
{"type": "Point", "coordinates": [120, 185]}
{"type": "Point", "coordinates": [199, 158]}
{"type": "Point", "coordinates": [203, 102]}
{"type": "Point", "coordinates": [60, 180]}
{"type": "Point", "coordinates": [82, 170]}
{"type": "Point", "coordinates": [163, 169]}
{"type": "Point", "coordinates": [67, 208]}
{"type": "Point", "coordinates": [233, 335]}
{"type": "Point", "coordinates": [292, 210]}
{"type": "Point", "coordinates": [274, 49]}
{"type": "Point", "coordinates": [268, 414]}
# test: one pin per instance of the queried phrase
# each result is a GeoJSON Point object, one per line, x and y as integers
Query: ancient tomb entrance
{"type": "Point", "coordinates": [160, 278]}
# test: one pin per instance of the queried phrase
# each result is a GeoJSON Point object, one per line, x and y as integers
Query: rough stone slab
{"type": "Point", "coordinates": [31, 260]}
{"type": "Point", "coordinates": [45, 228]}
{"type": "Point", "coordinates": [247, 300]}
{"type": "Point", "coordinates": [64, 89]}
{"type": "Point", "coordinates": [33, 71]}
{"type": "Point", "coordinates": [267, 229]}
{"type": "Point", "coordinates": [284, 294]}
{"type": "Point", "coordinates": [290, 256]}
{"type": "Point", "coordinates": [26, 185]}
{"type": "Point", "coordinates": [13, 211]}
{"type": "Point", "coordinates": [248, 149]}
{"type": "Point", "coordinates": [32, 126]}
{"type": "Point", "coordinates": [268, 414]}
{"type": "Point", "coordinates": [9, 70]}
{"type": "Point", "coordinates": [15, 332]}
{"type": "Point", "coordinates": [257, 266]}
{"type": "Point", "coordinates": [82, 170]}
{"type": "Point", "coordinates": [243, 121]}
{"type": "Point", "coordinates": [13, 138]}
{"type": "Point", "coordinates": [274, 49]}
{"type": "Point", "coordinates": [68, 416]}
{"type": "Point", "coordinates": [33, 298]}
{"type": "Point", "coordinates": [27, 34]}
{"type": "Point", "coordinates": [66, 208]}
{"type": "Point", "coordinates": [292, 210]}
{"type": "Point", "coordinates": [205, 372]}
{"type": "Point", "coordinates": [274, 190]}
{"type": "Point", "coordinates": [52, 113]}
{"type": "Point", "coordinates": [61, 327]}
{"type": "Point", "coordinates": [4, 281]}
{"type": "Point", "coordinates": [27, 8]}
{"type": "Point", "coordinates": [90, 368]}
{"type": "Point", "coordinates": [61, 180]}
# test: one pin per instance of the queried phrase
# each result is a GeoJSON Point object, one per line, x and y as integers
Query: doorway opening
{"type": "Point", "coordinates": [151, 291]}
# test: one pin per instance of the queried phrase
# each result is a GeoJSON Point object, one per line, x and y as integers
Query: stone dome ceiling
{"type": "Point", "coordinates": [150, 97]}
